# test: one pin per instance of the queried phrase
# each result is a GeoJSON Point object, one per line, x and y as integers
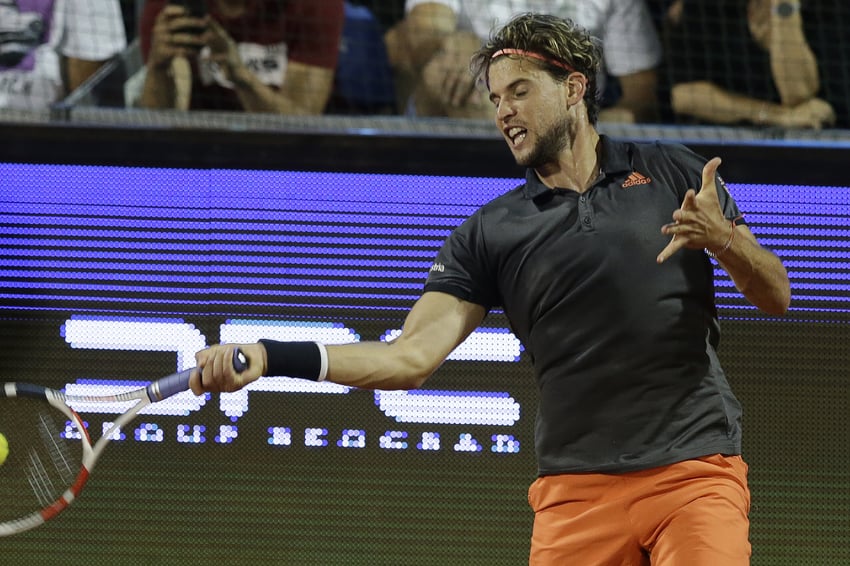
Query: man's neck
{"type": "Point", "coordinates": [578, 165]}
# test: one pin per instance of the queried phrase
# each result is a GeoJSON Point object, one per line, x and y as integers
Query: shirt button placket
{"type": "Point", "coordinates": [584, 210]}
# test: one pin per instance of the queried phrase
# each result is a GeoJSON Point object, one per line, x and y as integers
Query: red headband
{"type": "Point", "coordinates": [533, 55]}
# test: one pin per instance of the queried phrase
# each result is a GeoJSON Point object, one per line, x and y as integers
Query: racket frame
{"type": "Point", "coordinates": [156, 391]}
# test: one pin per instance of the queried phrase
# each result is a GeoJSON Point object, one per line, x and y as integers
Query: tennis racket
{"type": "Point", "coordinates": [51, 455]}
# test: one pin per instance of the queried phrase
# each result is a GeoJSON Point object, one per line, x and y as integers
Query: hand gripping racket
{"type": "Point", "coordinates": [50, 452]}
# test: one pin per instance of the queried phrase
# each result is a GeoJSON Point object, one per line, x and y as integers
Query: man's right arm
{"type": "Point", "coordinates": [435, 326]}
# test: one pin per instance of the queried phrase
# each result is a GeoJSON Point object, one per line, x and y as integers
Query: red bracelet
{"type": "Point", "coordinates": [726, 246]}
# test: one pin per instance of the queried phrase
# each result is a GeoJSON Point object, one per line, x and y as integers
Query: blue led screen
{"type": "Point", "coordinates": [259, 238]}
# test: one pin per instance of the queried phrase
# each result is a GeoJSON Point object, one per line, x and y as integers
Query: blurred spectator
{"type": "Point", "coordinates": [827, 23]}
{"type": "Point", "coordinates": [431, 47]}
{"type": "Point", "coordinates": [49, 47]}
{"type": "Point", "coordinates": [130, 11]}
{"type": "Point", "coordinates": [743, 61]}
{"type": "Point", "coordinates": [363, 83]}
{"type": "Point", "coordinates": [254, 55]}
{"type": "Point", "coordinates": [387, 12]}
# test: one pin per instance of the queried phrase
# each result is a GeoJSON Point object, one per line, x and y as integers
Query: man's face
{"type": "Point", "coordinates": [531, 110]}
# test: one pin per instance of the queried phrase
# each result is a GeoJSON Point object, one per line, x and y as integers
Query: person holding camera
{"type": "Point", "coordinates": [275, 56]}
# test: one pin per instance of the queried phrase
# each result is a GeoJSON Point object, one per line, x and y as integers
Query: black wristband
{"type": "Point", "coordinates": [293, 359]}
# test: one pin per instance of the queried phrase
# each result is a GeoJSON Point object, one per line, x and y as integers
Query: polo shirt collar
{"type": "Point", "coordinates": [616, 158]}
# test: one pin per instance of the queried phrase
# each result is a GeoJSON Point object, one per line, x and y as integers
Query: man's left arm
{"type": "Point", "coordinates": [756, 271]}
{"type": "Point", "coordinates": [700, 224]}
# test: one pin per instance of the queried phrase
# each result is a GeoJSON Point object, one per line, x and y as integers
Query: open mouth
{"type": "Point", "coordinates": [516, 135]}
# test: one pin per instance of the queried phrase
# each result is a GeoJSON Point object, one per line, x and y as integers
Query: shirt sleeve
{"type": "Point", "coordinates": [316, 32]}
{"type": "Point", "coordinates": [461, 268]}
{"type": "Point", "coordinates": [630, 40]}
{"type": "Point", "coordinates": [94, 29]}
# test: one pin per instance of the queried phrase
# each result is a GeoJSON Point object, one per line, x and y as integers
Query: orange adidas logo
{"type": "Point", "coordinates": [635, 178]}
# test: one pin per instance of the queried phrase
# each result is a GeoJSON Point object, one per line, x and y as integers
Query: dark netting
{"type": "Point", "coordinates": [132, 236]}
{"type": "Point", "coordinates": [685, 62]}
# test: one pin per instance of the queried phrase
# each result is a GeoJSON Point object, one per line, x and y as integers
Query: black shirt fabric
{"type": "Point", "coordinates": [624, 349]}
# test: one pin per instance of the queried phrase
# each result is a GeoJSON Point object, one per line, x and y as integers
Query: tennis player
{"type": "Point", "coordinates": [603, 262]}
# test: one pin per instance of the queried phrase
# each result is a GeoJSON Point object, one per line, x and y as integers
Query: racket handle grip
{"type": "Point", "coordinates": [168, 386]}
{"type": "Point", "coordinates": [179, 382]}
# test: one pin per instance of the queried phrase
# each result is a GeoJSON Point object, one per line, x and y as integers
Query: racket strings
{"type": "Point", "coordinates": [39, 480]}
{"type": "Point", "coordinates": [49, 480]}
{"type": "Point", "coordinates": [44, 457]}
{"type": "Point", "coordinates": [54, 437]}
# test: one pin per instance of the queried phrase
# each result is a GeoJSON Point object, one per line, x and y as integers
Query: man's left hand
{"type": "Point", "coordinates": [699, 223]}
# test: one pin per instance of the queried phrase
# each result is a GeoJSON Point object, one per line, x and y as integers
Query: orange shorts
{"type": "Point", "coordinates": [692, 513]}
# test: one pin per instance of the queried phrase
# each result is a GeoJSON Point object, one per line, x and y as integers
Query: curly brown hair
{"type": "Point", "coordinates": [557, 39]}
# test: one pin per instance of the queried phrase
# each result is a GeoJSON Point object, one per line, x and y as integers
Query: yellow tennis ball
{"type": "Point", "coordinates": [4, 449]}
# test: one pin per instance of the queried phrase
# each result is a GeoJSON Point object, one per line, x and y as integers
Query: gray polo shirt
{"type": "Point", "coordinates": [623, 349]}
